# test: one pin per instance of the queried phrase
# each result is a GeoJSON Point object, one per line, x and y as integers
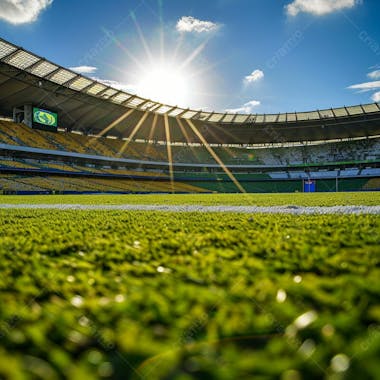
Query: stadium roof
{"type": "Point", "coordinates": [92, 107]}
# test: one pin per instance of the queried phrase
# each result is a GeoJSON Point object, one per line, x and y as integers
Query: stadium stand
{"type": "Point", "coordinates": [16, 164]}
{"type": "Point", "coordinates": [298, 163]}
{"type": "Point", "coordinates": [372, 184]}
{"type": "Point", "coordinates": [345, 151]}
{"type": "Point", "coordinates": [104, 139]}
{"type": "Point", "coordinates": [59, 184]}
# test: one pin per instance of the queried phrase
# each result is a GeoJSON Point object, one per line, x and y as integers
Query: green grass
{"type": "Point", "coordinates": [150, 295]}
{"type": "Point", "coordinates": [316, 199]}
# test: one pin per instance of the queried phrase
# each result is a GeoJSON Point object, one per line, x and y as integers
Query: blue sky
{"type": "Point", "coordinates": [263, 56]}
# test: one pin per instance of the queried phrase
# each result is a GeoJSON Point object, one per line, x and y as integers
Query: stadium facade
{"type": "Point", "coordinates": [64, 132]}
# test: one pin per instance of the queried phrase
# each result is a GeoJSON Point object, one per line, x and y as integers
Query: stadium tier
{"type": "Point", "coordinates": [22, 184]}
{"type": "Point", "coordinates": [65, 132]}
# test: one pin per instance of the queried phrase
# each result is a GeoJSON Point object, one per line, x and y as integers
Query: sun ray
{"type": "Point", "coordinates": [226, 149]}
{"type": "Point", "coordinates": [110, 126]}
{"type": "Point", "coordinates": [193, 55]}
{"type": "Point", "coordinates": [153, 127]}
{"type": "Point", "coordinates": [162, 33]}
{"type": "Point", "coordinates": [178, 46]}
{"type": "Point", "coordinates": [134, 131]}
{"type": "Point", "coordinates": [210, 94]}
{"type": "Point", "coordinates": [193, 149]}
{"type": "Point", "coordinates": [220, 141]}
{"type": "Point", "coordinates": [183, 130]}
{"type": "Point", "coordinates": [207, 68]}
{"type": "Point", "coordinates": [169, 150]}
{"type": "Point", "coordinates": [120, 45]}
{"type": "Point", "coordinates": [142, 38]}
{"type": "Point", "coordinates": [215, 156]}
{"type": "Point", "coordinates": [151, 132]}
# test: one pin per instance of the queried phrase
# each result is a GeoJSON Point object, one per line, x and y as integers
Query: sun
{"type": "Point", "coordinates": [165, 83]}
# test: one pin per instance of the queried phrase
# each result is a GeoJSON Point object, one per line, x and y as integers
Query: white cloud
{"type": "Point", "coordinates": [245, 108]}
{"type": "Point", "coordinates": [84, 69]}
{"type": "Point", "coordinates": [318, 7]}
{"type": "Point", "coordinates": [370, 86]}
{"type": "Point", "coordinates": [367, 86]}
{"type": "Point", "coordinates": [22, 11]}
{"type": "Point", "coordinates": [254, 76]}
{"type": "Point", "coordinates": [376, 97]}
{"type": "Point", "coordinates": [374, 74]}
{"type": "Point", "coordinates": [190, 24]}
{"type": "Point", "coordinates": [118, 85]}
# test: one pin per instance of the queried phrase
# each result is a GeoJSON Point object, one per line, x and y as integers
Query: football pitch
{"type": "Point", "coordinates": [299, 199]}
{"type": "Point", "coordinates": [112, 293]}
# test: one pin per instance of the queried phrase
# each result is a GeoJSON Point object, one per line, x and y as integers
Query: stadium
{"type": "Point", "coordinates": [140, 239]}
{"type": "Point", "coordinates": [106, 140]}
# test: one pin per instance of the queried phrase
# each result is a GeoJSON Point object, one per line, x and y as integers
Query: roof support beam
{"type": "Point", "coordinates": [116, 122]}
{"type": "Point", "coordinates": [215, 156]}
{"type": "Point", "coordinates": [134, 131]}
{"type": "Point", "coordinates": [169, 151]}
{"type": "Point", "coordinates": [8, 94]}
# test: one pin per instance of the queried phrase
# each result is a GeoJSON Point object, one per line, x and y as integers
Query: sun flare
{"type": "Point", "coordinates": [166, 84]}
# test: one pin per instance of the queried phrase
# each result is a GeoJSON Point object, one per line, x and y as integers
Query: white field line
{"type": "Point", "coordinates": [296, 210]}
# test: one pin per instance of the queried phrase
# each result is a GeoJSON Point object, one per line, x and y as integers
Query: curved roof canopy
{"type": "Point", "coordinates": [93, 107]}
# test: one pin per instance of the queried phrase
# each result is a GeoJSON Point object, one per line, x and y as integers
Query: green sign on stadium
{"type": "Point", "coordinates": [44, 119]}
